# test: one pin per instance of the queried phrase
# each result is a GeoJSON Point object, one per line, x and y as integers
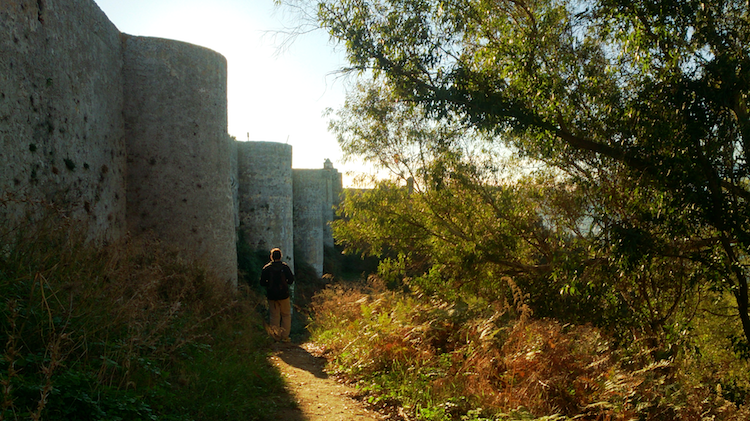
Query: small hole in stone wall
{"type": "Point", "coordinates": [32, 147]}
{"type": "Point", "coordinates": [40, 4]}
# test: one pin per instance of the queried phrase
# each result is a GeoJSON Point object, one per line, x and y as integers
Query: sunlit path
{"type": "Point", "coordinates": [320, 397]}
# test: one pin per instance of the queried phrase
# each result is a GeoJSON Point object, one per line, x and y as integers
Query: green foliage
{"type": "Point", "coordinates": [347, 266]}
{"type": "Point", "coordinates": [231, 380]}
{"type": "Point", "coordinates": [474, 361]}
{"type": "Point", "coordinates": [126, 331]}
{"type": "Point", "coordinates": [625, 231]}
{"type": "Point", "coordinates": [569, 258]}
{"type": "Point", "coordinates": [650, 96]}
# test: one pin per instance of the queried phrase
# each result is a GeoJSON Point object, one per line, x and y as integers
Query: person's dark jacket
{"type": "Point", "coordinates": [272, 279]}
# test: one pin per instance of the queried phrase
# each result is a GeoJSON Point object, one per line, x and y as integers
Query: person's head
{"type": "Point", "coordinates": [276, 254]}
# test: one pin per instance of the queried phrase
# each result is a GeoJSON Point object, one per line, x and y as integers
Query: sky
{"type": "Point", "coordinates": [277, 91]}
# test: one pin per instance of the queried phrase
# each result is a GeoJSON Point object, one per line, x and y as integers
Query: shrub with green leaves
{"type": "Point", "coordinates": [126, 331]}
{"type": "Point", "coordinates": [476, 360]}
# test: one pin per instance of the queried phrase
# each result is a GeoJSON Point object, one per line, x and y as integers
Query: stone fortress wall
{"type": "Point", "coordinates": [309, 196]}
{"type": "Point", "coordinates": [62, 132]}
{"type": "Point", "coordinates": [265, 195]}
{"type": "Point", "coordinates": [178, 166]}
{"type": "Point", "coordinates": [316, 194]}
{"type": "Point", "coordinates": [131, 134]}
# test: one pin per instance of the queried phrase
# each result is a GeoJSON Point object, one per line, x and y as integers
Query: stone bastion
{"type": "Point", "coordinates": [129, 135]}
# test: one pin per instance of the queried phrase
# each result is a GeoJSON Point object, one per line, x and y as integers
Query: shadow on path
{"type": "Point", "coordinates": [318, 396]}
{"type": "Point", "coordinates": [301, 358]}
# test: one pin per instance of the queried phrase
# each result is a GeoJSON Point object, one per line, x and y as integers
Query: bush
{"type": "Point", "coordinates": [128, 331]}
{"type": "Point", "coordinates": [474, 359]}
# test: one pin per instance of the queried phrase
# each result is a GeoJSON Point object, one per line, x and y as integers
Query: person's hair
{"type": "Point", "coordinates": [276, 254]}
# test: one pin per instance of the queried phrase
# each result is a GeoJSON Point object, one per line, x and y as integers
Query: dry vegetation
{"type": "Point", "coordinates": [126, 331]}
{"type": "Point", "coordinates": [481, 361]}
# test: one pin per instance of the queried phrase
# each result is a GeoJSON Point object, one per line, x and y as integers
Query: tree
{"type": "Point", "coordinates": [458, 221]}
{"type": "Point", "coordinates": [652, 93]}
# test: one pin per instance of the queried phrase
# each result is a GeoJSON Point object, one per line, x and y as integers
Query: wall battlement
{"type": "Point", "coordinates": [130, 133]}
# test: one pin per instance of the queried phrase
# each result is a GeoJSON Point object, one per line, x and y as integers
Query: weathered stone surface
{"type": "Point", "coordinates": [316, 196]}
{"type": "Point", "coordinates": [61, 128]}
{"type": "Point", "coordinates": [265, 192]}
{"type": "Point", "coordinates": [179, 158]}
{"type": "Point", "coordinates": [128, 134]}
{"type": "Point", "coordinates": [234, 171]}
{"type": "Point", "coordinates": [310, 197]}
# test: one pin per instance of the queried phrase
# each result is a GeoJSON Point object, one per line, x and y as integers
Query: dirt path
{"type": "Point", "coordinates": [320, 397]}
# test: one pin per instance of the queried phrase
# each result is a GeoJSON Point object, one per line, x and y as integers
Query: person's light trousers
{"type": "Point", "coordinates": [281, 317]}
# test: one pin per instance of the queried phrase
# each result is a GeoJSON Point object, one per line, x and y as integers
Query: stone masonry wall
{"type": "Point", "coordinates": [179, 179]}
{"type": "Point", "coordinates": [334, 189]}
{"type": "Point", "coordinates": [235, 183]}
{"type": "Point", "coordinates": [61, 127]}
{"type": "Point", "coordinates": [316, 195]}
{"type": "Point", "coordinates": [266, 197]}
{"type": "Point", "coordinates": [129, 135]}
{"type": "Point", "coordinates": [310, 194]}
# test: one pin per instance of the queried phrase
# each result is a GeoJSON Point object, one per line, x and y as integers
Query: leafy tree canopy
{"type": "Point", "coordinates": [652, 94]}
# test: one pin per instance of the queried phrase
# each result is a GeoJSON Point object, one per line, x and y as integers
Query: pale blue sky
{"type": "Point", "coordinates": [274, 94]}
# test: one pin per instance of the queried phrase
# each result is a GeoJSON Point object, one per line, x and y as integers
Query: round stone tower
{"type": "Point", "coordinates": [310, 198]}
{"type": "Point", "coordinates": [178, 156]}
{"type": "Point", "coordinates": [265, 196]}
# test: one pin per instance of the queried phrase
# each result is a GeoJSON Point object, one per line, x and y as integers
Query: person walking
{"type": "Point", "coordinates": [276, 277]}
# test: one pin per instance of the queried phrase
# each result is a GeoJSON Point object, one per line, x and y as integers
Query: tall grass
{"type": "Point", "coordinates": [477, 360]}
{"type": "Point", "coordinates": [125, 331]}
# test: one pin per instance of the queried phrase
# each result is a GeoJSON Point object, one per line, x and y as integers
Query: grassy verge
{"type": "Point", "coordinates": [127, 331]}
{"type": "Point", "coordinates": [474, 360]}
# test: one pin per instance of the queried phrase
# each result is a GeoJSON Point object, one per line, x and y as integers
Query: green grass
{"type": "Point", "coordinates": [127, 331]}
{"type": "Point", "coordinates": [231, 381]}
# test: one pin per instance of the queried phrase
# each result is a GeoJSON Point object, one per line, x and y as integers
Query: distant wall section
{"type": "Point", "coordinates": [310, 192]}
{"type": "Point", "coordinates": [179, 156]}
{"type": "Point", "coordinates": [316, 195]}
{"type": "Point", "coordinates": [235, 180]}
{"type": "Point", "coordinates": [61, 126]}
{"type": "Point", "coordinates": [334, 188]}
{"type": "Point", "coordinates": [129, 134]}
{"type": "Point", "coordinates": [266, 196]}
